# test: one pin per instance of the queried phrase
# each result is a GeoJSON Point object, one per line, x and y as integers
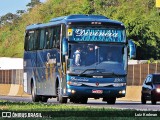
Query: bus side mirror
{"type": "Point", "coordinates": [132, 49]}
{"type": "Point", "coordinates": [65, 46]}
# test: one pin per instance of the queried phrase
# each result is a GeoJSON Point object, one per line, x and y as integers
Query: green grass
{"type": "Point", "coordinates": [28, 106]}
{"type": "Point", "coordinates": [67, 111]}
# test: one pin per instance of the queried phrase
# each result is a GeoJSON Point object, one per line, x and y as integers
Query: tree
{"type": "Point", "coordinates": [33, 3]}
{"type": "Point", "coordinates": [20, 12]}
{"type": "Point", "coordinates": [8, 18]}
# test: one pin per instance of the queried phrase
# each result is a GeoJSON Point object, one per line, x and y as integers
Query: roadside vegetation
{"type": "Point", "coordinates": [141, 18]}
{"type": "Point", "coordinates": [66, 111]}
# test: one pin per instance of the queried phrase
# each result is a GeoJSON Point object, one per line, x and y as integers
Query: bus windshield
{"type": "Point", "coordinates": [86, 58]}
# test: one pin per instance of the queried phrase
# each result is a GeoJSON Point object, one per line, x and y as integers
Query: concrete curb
{"type": "Point", "coordinates": [4, 89]}
{"type": "Point", "coordinates": [12, 90]}
{"type": "Point", "coordinates": [133, 93]}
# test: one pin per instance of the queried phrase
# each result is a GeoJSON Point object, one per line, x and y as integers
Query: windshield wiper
{"type": "Point", "coordinates": [97, 71]}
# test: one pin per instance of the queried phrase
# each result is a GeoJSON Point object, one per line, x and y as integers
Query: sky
{"type": "Point", "coordinates": [12, 6]}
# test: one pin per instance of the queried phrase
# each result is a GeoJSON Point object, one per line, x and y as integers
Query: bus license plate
{"type": "Point", "coordinates": [97, 91]}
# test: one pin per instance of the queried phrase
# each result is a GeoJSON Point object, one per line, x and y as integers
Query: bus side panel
{"type": "Point", "coordinates": [29, 69]}
{"type": "Point", "coordinates": [46, 72]}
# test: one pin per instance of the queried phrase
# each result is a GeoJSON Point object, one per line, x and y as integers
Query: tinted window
{"type": "Point", "coordinates": [26, 41]}
{"type": "Point", "coordinates": [45, 38]}
{"type": "Point", "coordinates": [156, 78]}
{"type": "Point", "coordinates": [57, 36]}
{"type": "Point", "coordinates": [42, 38]}
{"type": "Point", "coordinates": [49, 38]}
{"type": "Point", "coordinates": [46, 41]}
{"type": "Point", "coordinates": [53, 42]}
{"type": "Point", "coordinates": [31, 40]}
{"type": "Point", "coordinates": [36, 40]}
{"type": "Point", "coordinates": [63, 31]}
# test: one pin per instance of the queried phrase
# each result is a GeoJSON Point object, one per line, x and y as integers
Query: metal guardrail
{"type": "Point", "coordinates": [136, 74]}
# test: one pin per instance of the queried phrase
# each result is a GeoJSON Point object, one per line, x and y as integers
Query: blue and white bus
{"type": "Point", "coordinates": [76, 57]}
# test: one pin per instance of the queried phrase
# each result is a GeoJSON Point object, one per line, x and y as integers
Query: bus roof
{"type": "Point", "coordinates": [80, 16]}
{"type": "Point", "coordinates": [73, 18]}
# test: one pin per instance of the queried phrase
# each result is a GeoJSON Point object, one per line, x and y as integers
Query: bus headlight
{"type": "Point", "coordinates": [119, 84]}
{"type": "Point", "coordinates": [69, 90]}
{"type": "Point", "coordinates": [158, 90]}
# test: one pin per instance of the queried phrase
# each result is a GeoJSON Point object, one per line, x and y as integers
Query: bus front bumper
{"type": "Point", "coordinates": [95, 92]}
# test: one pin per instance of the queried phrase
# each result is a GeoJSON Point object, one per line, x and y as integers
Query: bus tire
{"type": "Point", "coordinates": [44, 99]}
{"type": "Point", "coordinates": [84, 100]}
{"type": "Point", "coordinates": [143, 100]}
{"type": "Point", "coordinates": [35, 98]}
{"type": "Point", "coordinates": [75, 100]}
{"type": "Point", "coordinates": [111, 100]}
{"type": "Point", "coordinates": [153, 100]}
{"type": "Point", "coordinates": [63, 100]}
{"type": "Point", "coordinates": [60, 98]}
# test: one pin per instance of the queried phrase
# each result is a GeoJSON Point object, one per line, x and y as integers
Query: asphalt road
{"type": "Point", "coordinates": [96, 103]}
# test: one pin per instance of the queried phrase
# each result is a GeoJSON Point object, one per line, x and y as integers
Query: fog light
{"type": "Point", "coordinates": [73, 91]}
{"type": "Point", "coordinates": [158, 90]}
{"type": "Point", "coordinates": [69, 90]}
{"type": "Point", "coordinates": [122, 92]}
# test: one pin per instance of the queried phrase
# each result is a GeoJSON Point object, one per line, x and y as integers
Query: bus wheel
{"type": "Point", "coordinates": [59, 96]}
{"type": "Point", "coordinates": [35, 98]}
{"type": "Point", "coordinates": [111, 100]}
{"type": "Point", "coordinates": [143, 100]}
{"type": "Point", "coordinates": [75, 100]}
{"type": "Point", "coordinates": [44, 99]}
{"type": "Point", "coordinates": [153, 101]}
{"type": "Point", "coordinates": [84, 100]}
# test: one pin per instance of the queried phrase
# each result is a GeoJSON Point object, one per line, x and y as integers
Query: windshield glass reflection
{"type": "Point", "coordinates": [97, 57]}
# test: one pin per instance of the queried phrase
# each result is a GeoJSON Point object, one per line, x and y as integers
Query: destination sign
{"type": "Point", "coordinates": [93, 34]}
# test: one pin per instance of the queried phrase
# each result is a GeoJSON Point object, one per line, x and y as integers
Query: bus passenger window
{"type": "Point", "coordinates": [31, 40]}
{"type": "Point", "coordinates": [54, 39]}
{"type": "Point", "coordinates": [58, 31]}
{"type": "Point", "coordinates": [46, 45]}
{"type": "Point", "coordinates": [50, 38]}
{"type": "Point", "coordinates": [42, 36]}
{"type": "Point", "coordinates": [26, 41]}
{"type": "Point", "coordinates": [36, 40]}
